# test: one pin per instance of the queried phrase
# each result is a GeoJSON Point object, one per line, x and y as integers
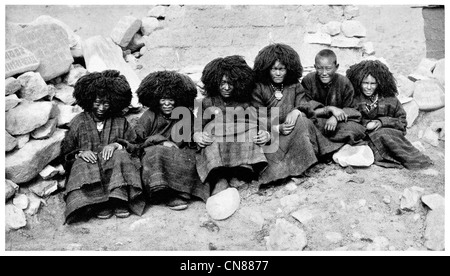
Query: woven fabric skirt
{"type": "Point", "coordinates": [172, 168]}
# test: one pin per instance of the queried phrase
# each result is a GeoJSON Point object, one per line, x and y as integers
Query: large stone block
{"type": "Point", "coordinates": [429, 94]}
{"type": "Point", "coordinates": [27, 116]}
{"type": "Point", "coordinates": [74, 39]}
{"type": "Point", "coordinates": [76, 71]}
{"type": "Point", "coordinates": [64, 93]}
{"type": "Point", "coordinates": [33, 86]}
{"type": "Point", "coordinates": [412, 112]}
{"type": "Point", "coordinates": [102, 53]}
{"type": "Point", "coordinates": [149, 24]}
{"type": "Point", "coordinates": [12, 85]}
{"type": "Point", "coordinates": [405, 86]}
{"type": "Point", "coordinates": [125, 29]}
{"type": "Point", "coordinates": [46, 130]}
{"type": "Point", "coordinates": [19, 60]}
{"type": "Point", "coordinates": [332, 27]}
{"type": "Point", "coordinates": [10, 142]}
{"type": "Point", "coordinates": [439, 71]}
{"type": "Point", "coordinates": [318, 38]}
{"type": "Point", "coordinates": [11, 101]}
{"type": "Point", "coordinates": [353, 28]}
{"type": "Point", "coordinates": [24, 164]}
{"type": "Point", "coordinates": [10, 189]}
{"type": "Point", "coordinates": [49, 43]}
{"type": "Point", "coordinates": [14, 217]}
{"type": "Point", "coordinates": [341, 41]}
{"type": "Point", "coordinates": [22, 140]}
{"type": "Point", "coordinates": [435, 229]}
{"type": "Point", "coordinates": [66, 113]}
{"type": "Point", "coordinates": [351, 11]}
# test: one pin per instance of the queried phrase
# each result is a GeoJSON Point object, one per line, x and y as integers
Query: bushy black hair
{"type": "Point", "coordinates": [108, 84]}
{"type": "Point", "coordinates": [385, 79]}
{"type": "Point", "coordinates": [286, 55]}
{"type": "Point", "coordinates": [166, 84]}
{"type": "Point", "coordinates": [238, 73]}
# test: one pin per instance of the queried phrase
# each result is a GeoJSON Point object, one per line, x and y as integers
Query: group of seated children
{"type": "Point", "coordinates": [172, 156]}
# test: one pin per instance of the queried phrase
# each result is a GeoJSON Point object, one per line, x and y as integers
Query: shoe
{"type": "Point", "coordinates": [122, 212]}
{"type": "Point", "coordinates": [105, 213]}
{"type": "Point", "coordinates": [177, 204]}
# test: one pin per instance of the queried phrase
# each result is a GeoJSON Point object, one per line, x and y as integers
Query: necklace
{"type": "Point", "coordinates": [278, 91]}
{"type": "Point", "coordinates": [373, 104]}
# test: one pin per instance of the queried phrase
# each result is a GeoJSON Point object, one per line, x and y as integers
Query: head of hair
{"type": "Point", "coordinates": [385, 79]}
{"type": "Point", "coordinates": [326, 53]}
{"type": "Point", "coordinates": [238, 73]}
{"type": "Point", "coordinates": [109, 85]}
{"type": "Point", "coordinates": [283, 53]}
{"type": "Point", "coordinates": [166, 85]}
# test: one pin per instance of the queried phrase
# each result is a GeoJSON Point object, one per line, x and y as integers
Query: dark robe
{"type": "Point", "coordinates": [296, 152]}
{"type": "Point", "coordinates": [388, 143]}
{"type": "Point", "coordinates": [166, 168]}
{"type": "Point", "coordinates": [339, 93]}
{"type": "Point", "coordinates": [118, 177]}
{"type": "Point", "coordinates": [233, 151]}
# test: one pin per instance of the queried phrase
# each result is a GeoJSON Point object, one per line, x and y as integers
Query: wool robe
{"type": "Point", "coordinates": [388, 143]}
{"type": "Point", "coordinates": [118, 177]}
{"type": "Point", "coordinates": [339, 93]}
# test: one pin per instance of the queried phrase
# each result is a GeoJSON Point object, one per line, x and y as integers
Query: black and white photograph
{"type": "Point", "coordinates": [224, 128]}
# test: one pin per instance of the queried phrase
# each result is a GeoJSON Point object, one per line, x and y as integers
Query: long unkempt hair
{"type": "Point", "coordinates": [386, 82]}
{"type": "Point", "coordinates": [166, 84]}
{"type": "Point", "coordinates": [108, 84]}
{"type": "Point", "coordinates": [238, 73]}
{"type": "Point", "coordinates": [286, 55]}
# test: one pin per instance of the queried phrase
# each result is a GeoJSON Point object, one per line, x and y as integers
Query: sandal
{"type": "Point", "coordinates": [105, 212]}
{"type": "Point", "coordinates": [177, 204]}
{"type": "Point", "coordinates": [122, 212]}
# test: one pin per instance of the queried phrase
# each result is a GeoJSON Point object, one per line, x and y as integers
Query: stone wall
{"type": "Point", "coordinates": [191, 36]}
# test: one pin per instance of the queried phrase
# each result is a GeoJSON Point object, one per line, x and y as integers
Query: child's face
{"type": "Point", "coordinates": [225, 87]}
{"type": "Point", "coordinates": [369, 85]}
{"type": "Point", "coordinates": [326, 68]}
{"type": "Point", "coordinates": [100, 108]}
{"type": "Point", "coordinates": [278, 72]}
{"type": "Point", "coordinates": [166, 106]}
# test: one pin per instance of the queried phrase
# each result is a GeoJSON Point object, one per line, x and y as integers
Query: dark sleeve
{"type": "Point", "coordinates": [142, 128]}
{"type": "Point", "coordinates": [130, 140]}
{"type": "Point", "coordinates": [308, 85]}
{"type": "Point", "coordinates": [398, 120]}
{"type": "Point", "coordinates": [257, 103]}
{"type": "Point", "coordinates": [301, 102]}
{"type": "Point", "coordinates": [348, 94]}
{"type": "Point", "coordinates": [204, 114]}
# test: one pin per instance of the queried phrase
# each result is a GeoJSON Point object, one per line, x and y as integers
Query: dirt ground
{"type": "Point", "coordinates": [360, 205]}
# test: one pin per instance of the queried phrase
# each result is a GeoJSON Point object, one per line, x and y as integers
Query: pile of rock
{"type": "Point", "coordinates": [423, 98]}
{"type": "Point", "coordinates": [40, 75]}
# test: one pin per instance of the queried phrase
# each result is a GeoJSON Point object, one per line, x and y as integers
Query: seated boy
{"type": "Point", "coordinates": [330, 95]}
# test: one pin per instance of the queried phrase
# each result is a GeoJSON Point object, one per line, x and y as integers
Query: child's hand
{"type": "Point", "coordinates": [331, 124]}
{"type": "Point", "coordinates": [292, 116]}
{"type": "Point", "coordinates": [373, 125]}
{"type": "Point", "coordinates": [203, 139]}
{"type": "Point", "coordinates": [108, 151]}
{"type": "Point", "coordinates": [338, 113]}
{"type": "Point", "coordinates": [88, 156]}
{"type": "Point", "coordinates": [261, 138]}
{"type": "Point", "coordinates": [286, 128]}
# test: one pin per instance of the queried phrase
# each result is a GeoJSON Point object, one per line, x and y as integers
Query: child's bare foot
{"type": "Point", "coordinates": [221, 185]}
